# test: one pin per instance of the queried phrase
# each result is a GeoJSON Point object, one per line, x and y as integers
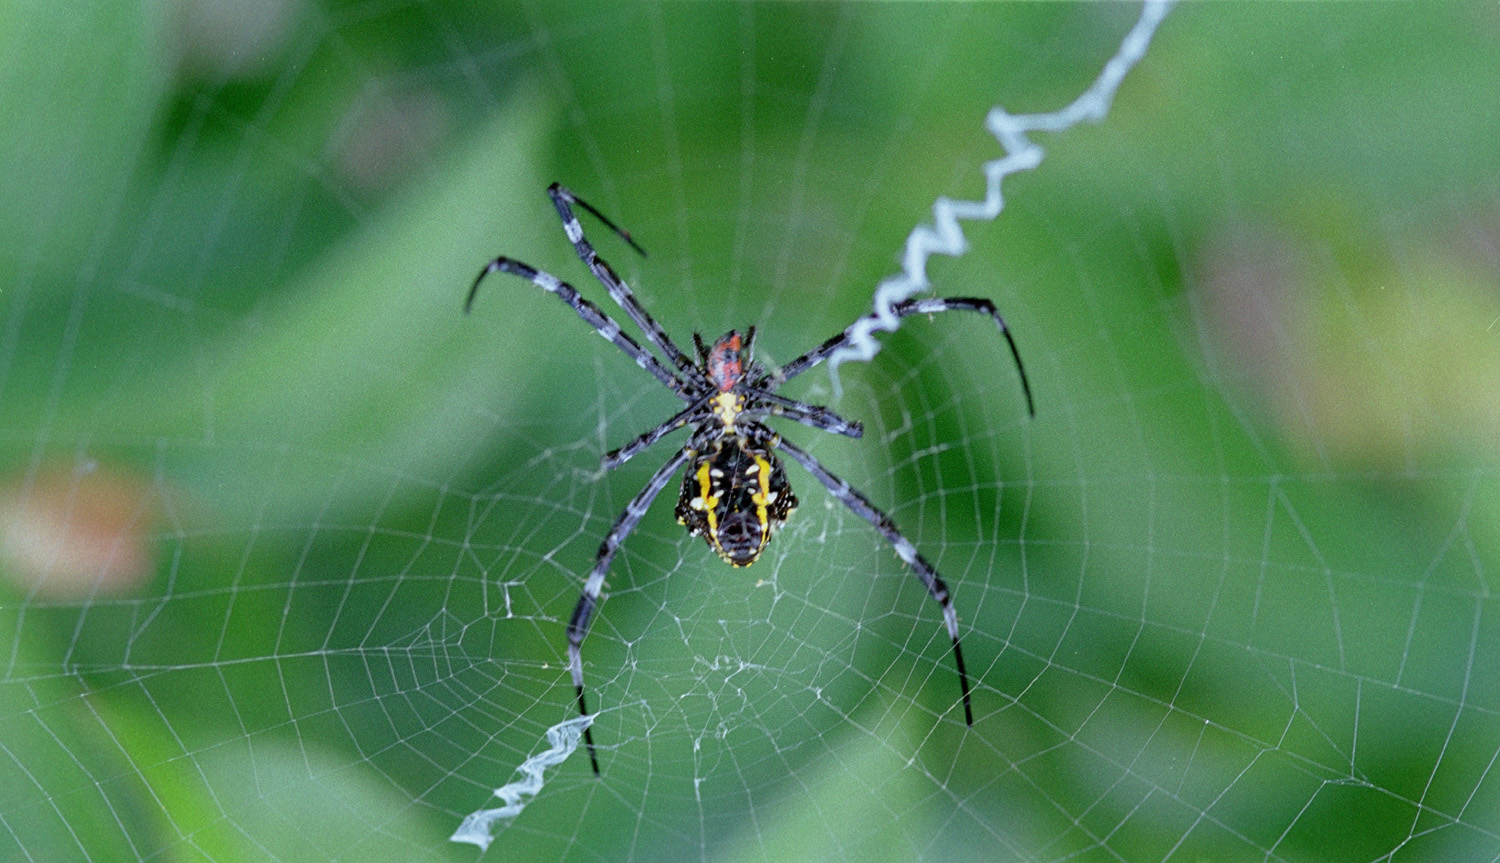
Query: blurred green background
{"type": "Point", "coordinates": [287, 543]}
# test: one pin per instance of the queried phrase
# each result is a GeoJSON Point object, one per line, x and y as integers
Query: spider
{"type": "Point", "coordinates": [735, 492]}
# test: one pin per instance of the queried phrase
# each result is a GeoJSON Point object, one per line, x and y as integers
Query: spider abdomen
{"type": "Point", "coordinates": [735, 496]}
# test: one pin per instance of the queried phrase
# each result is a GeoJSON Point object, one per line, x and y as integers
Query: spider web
{"type": "Point", "coordinates": [288, 544]}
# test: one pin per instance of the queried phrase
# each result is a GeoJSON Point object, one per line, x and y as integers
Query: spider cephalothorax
{"type": "Point", "coordinates": [735, 492]}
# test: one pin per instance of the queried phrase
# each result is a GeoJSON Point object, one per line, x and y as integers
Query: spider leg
{"type": "Point", "coordinates": [924, 306]}
{"type": "Point", "coordinates": [615, 458]}
{"type": "Point", "coordinates": [589, 601]}
{"type": "Point", "coordinates": [563, 199]}
{"type": "Point", "coordinates": [591, 315]}
{"type": "Point", "coordinates": [850, 497]}
{"type": "Point", "coordinates": [816, 416]}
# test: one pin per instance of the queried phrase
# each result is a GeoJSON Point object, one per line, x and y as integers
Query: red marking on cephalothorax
{"type": "Point", "coordinates": [725, 365]}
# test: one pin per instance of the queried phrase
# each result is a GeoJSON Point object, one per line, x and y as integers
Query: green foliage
{"type": "Point", "coordinates": [1226, 596]}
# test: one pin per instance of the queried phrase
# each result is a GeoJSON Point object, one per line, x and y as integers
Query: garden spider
{"type": "Point", "coordinates": [735, 492]}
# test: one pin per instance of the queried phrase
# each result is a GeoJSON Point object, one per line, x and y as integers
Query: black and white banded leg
{"type": "Point", "coordinates": [588, 602]}
{"type": "Point", "coordinates": [809, 415]}
{"type": "Point", "coordinates": [923, 306]}
{"type": "Point", "coordinates": [591, 314]}
{"type": "Point", "coordinates": [861, 506]}
{"type": "Point", "coordinates": [617, 457]}
{"type": "Point", "coordinates": [815, 416]}
{"type": "Point", "coordinates": [563, 199]}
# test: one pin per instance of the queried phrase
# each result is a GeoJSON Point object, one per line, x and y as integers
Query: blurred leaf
{"type": "Point", "coordinates": [56, 753]}
{"type": "Point", "coordinates": [856, 802]}
{"type": "Point", "coordinates": [80, 87]}
{"type": "Point", "coordinates": [367, 361]}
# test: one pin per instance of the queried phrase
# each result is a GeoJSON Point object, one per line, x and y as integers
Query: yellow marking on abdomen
{"type": "Point", "coordinates": [762, 497]}
{"type": "Point", "coordinates": [710, 502]}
